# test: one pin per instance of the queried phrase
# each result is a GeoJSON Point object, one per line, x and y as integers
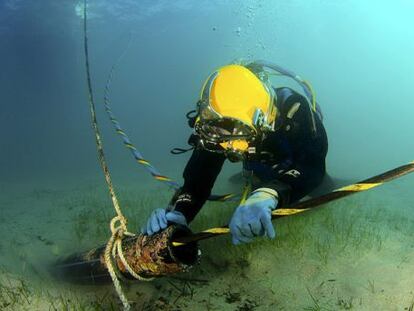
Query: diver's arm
{"type": "Point", "coordinates": [298, 181]}
{"type": "Point", "coordinates": [199, 175]}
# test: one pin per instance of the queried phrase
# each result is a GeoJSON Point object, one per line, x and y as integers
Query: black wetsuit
{"type": "Point", "coordinates": [291, 159]}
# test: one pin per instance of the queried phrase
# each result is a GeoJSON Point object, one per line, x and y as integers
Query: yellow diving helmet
{"type": "Point", "coordinates": [235, 108]}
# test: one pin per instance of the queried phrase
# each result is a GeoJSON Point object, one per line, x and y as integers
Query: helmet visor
{"type": "Point", "coordinates": [225, 129]}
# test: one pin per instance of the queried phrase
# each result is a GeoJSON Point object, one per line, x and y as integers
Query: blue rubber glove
{"type": "Point", "coordinates": [159, 220]}
{"type": "Point", "coordinates": [253, 218]}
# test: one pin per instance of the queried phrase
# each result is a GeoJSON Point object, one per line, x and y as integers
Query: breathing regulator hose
{"type": "Point", "coordinates": [306, 86]}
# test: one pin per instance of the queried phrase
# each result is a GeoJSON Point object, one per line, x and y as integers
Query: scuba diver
{"type": "Point", "coordinates": [276, 133]}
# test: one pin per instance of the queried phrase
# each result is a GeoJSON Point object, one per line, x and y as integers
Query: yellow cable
{"type": "Point", "coordinates": [246, 192]}
{"type": "Point", "coordinates": [359, 187]}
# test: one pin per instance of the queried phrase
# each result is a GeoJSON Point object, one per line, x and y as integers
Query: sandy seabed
{"type": "Point", "coordinates": [354, 254]}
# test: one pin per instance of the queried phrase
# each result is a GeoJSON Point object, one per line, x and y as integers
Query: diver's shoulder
{"type": "Point", "coordinates": [287, 97]}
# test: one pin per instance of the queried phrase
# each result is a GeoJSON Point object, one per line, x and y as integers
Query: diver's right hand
{"type": "Point", "coordinates": [159, 220]}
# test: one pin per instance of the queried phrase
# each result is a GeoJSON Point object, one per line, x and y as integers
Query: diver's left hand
{"type": "Point", "coordinates": [160, 219]}
{"type": "Point", "coordinates": [253, 218]}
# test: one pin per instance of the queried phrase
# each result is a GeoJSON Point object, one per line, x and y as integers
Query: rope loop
{"type": "Point", "coordinates": [114, 250]}
{"type": "Point", "coordinates": [118, 225]}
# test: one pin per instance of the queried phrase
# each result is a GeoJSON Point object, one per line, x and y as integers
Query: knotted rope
{"type": "Point", "coordinates": [118, 224]}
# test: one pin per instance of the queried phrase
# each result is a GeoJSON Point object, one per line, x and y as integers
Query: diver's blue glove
{"type": "Point", "coordinates": [253, 218]}
{"type": "Point", "coordinates": [159, 220]}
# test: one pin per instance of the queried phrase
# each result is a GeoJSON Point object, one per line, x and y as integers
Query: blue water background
{"type": "Point", "coordinates": [357, 54]}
